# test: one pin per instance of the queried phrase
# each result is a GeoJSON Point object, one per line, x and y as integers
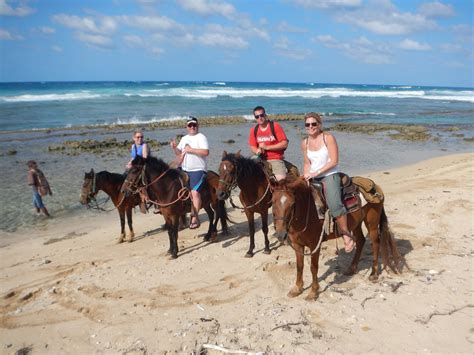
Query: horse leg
{"type": "Point", "coordinates": [130, 224]}
{"type": "Point", "coordinates": [372, 215]}
{"type": "Point", "coordinates": [313, 294]}
{"type": "Point", "coordinates": [122, 225]}
{"type": "Point", "coordinates": [360, 241]}
{"type": "Point", "coordinates": [251, 222]}
{"type": "Point", "coordinates": [264, 215]}
{"type": "Point", "coordinates": [222, 216]}
{"type": "Point", "coordinates": [173, 235]}
{"type": "Point", "coordinates": [211, 231]}
{"type": "Point", "coordinates": [297, 289]}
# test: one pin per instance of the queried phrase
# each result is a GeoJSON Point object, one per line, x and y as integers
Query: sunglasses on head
{"type": "Point", "coordinates": [312, 124]}
{"type": "Point", "coordinates": [192, 125]}
{"type": "Point", "coordinates": [259, 116]}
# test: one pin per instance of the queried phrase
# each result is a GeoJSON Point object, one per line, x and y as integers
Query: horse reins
{"type": "Point", "coordinates": [91, 196]}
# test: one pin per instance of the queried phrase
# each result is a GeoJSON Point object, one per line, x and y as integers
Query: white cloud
{"type": "Point", "coordinates": [95, 40]}
{"type": "Point", "coordinates": [411, 45]}
{"type": "Point", "coordinates": [223, 40]}
{"type": "Point", "coordinates": [57, 49]}
{"type": "Point", "coordinates": [284, 26]}
{"type": "Point", "coordinates": [157, 51]}
{"type": "Point", "coordinates": [7, 36]}
{"type": "Point", "coordinates": [208, 7]}
{"type": "Point", "coordinates": [101, 26]}
{"type": "Point", "coordinates": [287, 49]}
{"type": "Point", "coordinates": [152, 23]}
{"type": "Point", "coordinates": [382, 17]}
{"type": "Point", "coordinates": [46, 30]}
{"type": "Point", "coordinates": [327, 4]}
{"type": "Point", "coordinates": [361, 49]}
{"type": "Point", "coordinates": [436, 9]}
{"type": "Point", "coordinates": [247, 28]}
{"type": "Point", "coordinates": [21, 10]}
{"type": "Point", "coordinates": [134, 41]}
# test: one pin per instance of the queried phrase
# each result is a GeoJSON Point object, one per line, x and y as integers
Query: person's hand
{"type": "Point", "coordinates": [187, 149]}
{"type": "Point", "coordinates": [173, 143]}
{"type": "Point", "coordinates": [262, 146]}
{"type": "Point", "coordinates": [308, 176]}
{"type": "Point", "coordinates": [129, 165]}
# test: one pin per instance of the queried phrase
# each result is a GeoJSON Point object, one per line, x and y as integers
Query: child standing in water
{"type": "Point", "coordinates": [40, 186]}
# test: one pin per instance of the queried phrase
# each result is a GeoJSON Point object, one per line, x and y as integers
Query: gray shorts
{"type": "Point", "coordinates": [332, 191]}
{"type": "Point", "coordinates": [278, 167]}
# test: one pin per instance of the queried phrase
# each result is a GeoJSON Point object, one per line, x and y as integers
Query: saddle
{"type": "Point", "coordinates": [349, 192]}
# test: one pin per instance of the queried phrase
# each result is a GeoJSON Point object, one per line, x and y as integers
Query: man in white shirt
{"type": "Point", "coordinates": [193, 150]}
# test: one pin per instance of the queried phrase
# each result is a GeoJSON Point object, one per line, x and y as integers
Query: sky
{"type": "Point", "coordinates": [323, 41]}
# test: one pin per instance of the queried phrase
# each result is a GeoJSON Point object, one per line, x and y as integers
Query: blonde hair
{"type": "Point", "coordinates": [314, 115]}
{"type": "Point", "coordinates": [138, 131]}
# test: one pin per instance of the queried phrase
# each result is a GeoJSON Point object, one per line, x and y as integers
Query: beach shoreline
{"type": "Point", "coordinates": [71, 288]}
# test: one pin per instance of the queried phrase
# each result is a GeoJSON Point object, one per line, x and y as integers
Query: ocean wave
{"type": "Point", "coordinates": [220, 83]}
{"type": "Point", "coordinates": [51, 97]}
{"type": "Point", "coordinates": [224, 91]}
{"type": "Point", "coordinates": [401, 87]}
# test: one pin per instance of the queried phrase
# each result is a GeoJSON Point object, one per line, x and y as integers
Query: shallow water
{"type": "Point", "coordinates": [359, 154]}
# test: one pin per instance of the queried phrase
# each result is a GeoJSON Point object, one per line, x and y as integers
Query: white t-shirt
{"type": "Point", "coordinates": [193, 162]}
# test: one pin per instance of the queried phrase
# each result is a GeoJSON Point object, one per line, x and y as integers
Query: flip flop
{"type": "Point", "coordinates": [353, 244]}
{"type": "Point", "coordinates": [195, 224]}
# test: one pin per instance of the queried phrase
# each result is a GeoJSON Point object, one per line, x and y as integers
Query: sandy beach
{"type": "Point", "coordinates": [70, 288]}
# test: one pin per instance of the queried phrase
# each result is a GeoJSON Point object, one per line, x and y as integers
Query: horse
{"type": "Point", "coordinates": [111, 184]}
{"type": "Point", "coordinates": [255, 192]}
{"type": "Point", "coordinates": [164, 187]}
{"type": "Point", "coordinates": [295, 217]}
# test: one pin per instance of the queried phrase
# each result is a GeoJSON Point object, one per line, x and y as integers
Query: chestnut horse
{"type": "Point", "coordinates": [111, 184]}
{"type": "Point", "coordinates": [255, 192]}
{"type": "Point", "coordinates": [163, 186]}
{"type": "Point", "coordinates": [295, 216]}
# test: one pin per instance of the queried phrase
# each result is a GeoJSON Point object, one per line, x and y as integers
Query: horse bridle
{"type": "Point", "coordinates": [92, 193]}
{"type": "Point", "coordinates": [133, 185]}
{"type": "Point", "coordinates": [229, 185]}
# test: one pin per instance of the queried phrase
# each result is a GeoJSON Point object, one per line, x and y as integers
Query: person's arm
{"type": "Point", "coordinates": [279, 146]}
{"type": "Point", "coordinates": [174, 147]}
{"type": "Point", "coordinates": [145, 151]}
{"type": "Point", "coordinates": [32, 180]}
{"type": "Point", "coordinates": [252, 142]}
{"type": "Point", "coordinates": [306, 162]}
{"type": "Point", "coordinates": [203, 151]}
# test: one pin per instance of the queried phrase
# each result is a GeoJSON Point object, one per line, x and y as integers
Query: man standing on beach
{"type": "Point", "coordinates": [193, 150]}
{"type": "Point", "coordinates": [40, 186]}
{"type": "Point", "coordinates": [268, 141]}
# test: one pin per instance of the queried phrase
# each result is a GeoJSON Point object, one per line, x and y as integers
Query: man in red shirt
{"type": "Point", "coordinates": [268, 141]}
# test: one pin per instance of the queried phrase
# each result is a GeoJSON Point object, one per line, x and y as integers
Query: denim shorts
{"type": "Point", "coordinates": [196, 179]}
{"type": "Point", "coordinates": [37, 200]}
{"type": "Point", "coordinates": [332, 191]}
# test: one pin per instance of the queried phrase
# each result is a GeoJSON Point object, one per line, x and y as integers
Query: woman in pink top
{"type": "Point", "coordinates": [321, 157]}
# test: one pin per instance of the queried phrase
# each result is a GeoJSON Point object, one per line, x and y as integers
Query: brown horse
{"type": "Point", "coordinates": [295, 216]}
{"type": "Point", "coordinates": [255, 193]}
{"type": "Point", "coordinates": [111, 184]}
{"type": "Point", "coordinates": [164, 187]}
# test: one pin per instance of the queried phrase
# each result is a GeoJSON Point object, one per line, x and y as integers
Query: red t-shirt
{"type": "Point", "coordinates": [268, 138]}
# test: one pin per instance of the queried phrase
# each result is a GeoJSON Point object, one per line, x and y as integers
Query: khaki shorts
{"type": "Point", "coordinates": [278, 167]}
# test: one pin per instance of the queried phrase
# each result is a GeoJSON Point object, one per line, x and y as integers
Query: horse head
{"type": "Point", "coordinates": [227, 175]}
{"type": "Point", "coordinates": [135, 175]}
{"type": "Point", "coordinates": [89, 188]}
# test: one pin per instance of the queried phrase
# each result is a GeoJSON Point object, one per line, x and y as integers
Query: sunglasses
{"type": "Point", "coordinates": [192, 125]}
{"type": "Point", "coordinates": [259, 116]}
{"type": "Point", "coordinates": [139, 137]}
{"type": "Point", "coordinates": [311, 124]}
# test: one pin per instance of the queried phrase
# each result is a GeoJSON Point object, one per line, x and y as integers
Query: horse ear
{"type": "Point", "coordinates": [224, 154]}
{"type": "Point", "coordinates": [92, 171]}
{"type": "Point", "coordinates": [238, 154]}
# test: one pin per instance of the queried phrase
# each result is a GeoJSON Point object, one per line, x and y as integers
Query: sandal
{"type": "Point", "coordinates": [351, 245]}
{"type": "Point", "coordinates": [194, 224]}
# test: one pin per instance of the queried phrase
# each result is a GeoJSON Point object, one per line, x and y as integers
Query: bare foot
{"type": "Point", "coordinates": [349, 243]}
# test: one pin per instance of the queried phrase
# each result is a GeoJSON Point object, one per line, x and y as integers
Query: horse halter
{"type": "Point", "coordinates": [92, 189]}
{"type": "Point", "coordinates": [137, 183]}
{"type": "Point", "coordinates": [229, 186]}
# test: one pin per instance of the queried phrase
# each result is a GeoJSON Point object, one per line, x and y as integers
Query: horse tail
{"type": "Point", "coordinates": [390, 255]}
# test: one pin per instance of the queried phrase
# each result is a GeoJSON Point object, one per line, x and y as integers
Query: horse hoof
{"type": "Point", "coordinates": [207, 238]}
{"type": "Point", "coordinates": [249, 255]}
{"type": "Point", "coordinates": [373, 277]}
{"type": "Point", "coordinates": [120, 241]}
{"type": "Point", "coordinates": [312, 296]}
{"type": "Point", "coordinates": [172, 257]}
{"type": "Point", "coordinates": [295, 291]}
{"type": "Point", "coordinates": [267, 251]}
{"type": "Point", "coordinates": [349, 272]}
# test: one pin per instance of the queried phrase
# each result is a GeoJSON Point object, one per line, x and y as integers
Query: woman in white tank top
{"type": "Point", "coordinates": [321, 157]}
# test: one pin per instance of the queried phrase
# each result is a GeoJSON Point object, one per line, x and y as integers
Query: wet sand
{"type": "Point", "coordinates": [69, 288]}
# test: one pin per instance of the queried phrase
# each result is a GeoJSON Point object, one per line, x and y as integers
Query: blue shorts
{"type": "Point", "coordinates": [37, 200]}
{"type": "Point", "coordinates": [196, 179]}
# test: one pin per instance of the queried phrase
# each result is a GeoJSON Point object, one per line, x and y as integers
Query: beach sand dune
{"type": "Point", "coordinates": [72, 289]}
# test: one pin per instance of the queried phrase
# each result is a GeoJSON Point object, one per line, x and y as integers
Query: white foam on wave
{"type": "Point", "coordinates": [51, 97]}
{"type": "Point", "coordinates": [401, 87]}
{"type": "Point", "coordinates": [220, 83]}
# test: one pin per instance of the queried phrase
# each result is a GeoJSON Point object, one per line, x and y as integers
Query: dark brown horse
{"type": "Point", "coordinates": [295, 216]}
{"type": "Point", "coordinates": [165, 187]}
{"type": "Point", "coordinates": [255, 193]}
{"type": "Point", "coordinates": [111, 184]}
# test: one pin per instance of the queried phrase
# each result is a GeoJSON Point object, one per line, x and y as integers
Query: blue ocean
{"type": "Point", "coordinates": [40, 105]}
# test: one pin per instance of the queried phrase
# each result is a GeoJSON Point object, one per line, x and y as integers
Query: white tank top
{"type": "Point", "coordinates": [319, 158]}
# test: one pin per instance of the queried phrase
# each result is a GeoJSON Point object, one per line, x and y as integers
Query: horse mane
{"type": "Point", "coordinates": [156, 165]}
{"type": "Point", "coordinates": [246, 168]}
{"type": "Point", "coordinates": [114, 178]}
